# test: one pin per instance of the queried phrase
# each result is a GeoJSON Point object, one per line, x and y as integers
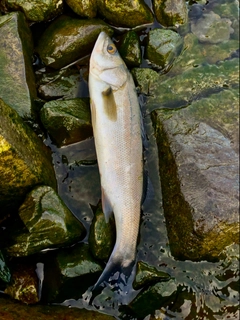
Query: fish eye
{"type": "Point", "coordinates": [111, 48]}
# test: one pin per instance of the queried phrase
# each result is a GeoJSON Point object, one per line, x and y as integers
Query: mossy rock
{"type": "Point", "coordinates": [68, 39]}
{"type": "Point", "coordinates": [67, 121]}
{"type": "Point", "coordinates": [125, 13]}
{"type": "Point", "coordinates": [25, 160]}
{"type": "Point", "coordinates": [17, 81]}
{"type": "Point", "coordinates": [84, 8]}
{"type": "Point", "coordinates": [48, 221]}
{"type": "Point", "coordinates": [130, 50]}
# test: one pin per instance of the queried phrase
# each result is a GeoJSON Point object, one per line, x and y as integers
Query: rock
{"type": "Point", "coordinates": [25, 160]}
{"type": "Point", "coordinates": [84, 8]}
{"type": "Point", "coordinates": [196, 54]}
{"type": "Point", "coordinates": [36, 10]}
{"type": "Point", "coordinates": [198, 154]}
{"type": "Point", "coordinates": [163, 46]}
{"type": "Point", "coordinates": [130, 49]}
{"type": "Point", "coordinates": [69, 274]}
{"type": "Point", "coordinates": [228, 9]}
{"type": "Point", "coordinates": [24, 284]}
{"type": "Point", "coordinates": [102, 235]}
{"type": "Point", "coordinates": [144, 78]}
{"type": "Point", "coordinates": [68, 39]}
{"type": "Point", "coordinates": [49, 222]}
{"type": "Point", "coordinates": [61, 84]}
{"type": "Point", "coordinates": [211, 28]}
{"type": "Point", "coordinates": [5, 274]}
{"type": "Point", "coordinates": [147, 274]}
{"type": "Point", "coordinates": [11, 310]}
{"type": "Point", "coordinates": [153, 298]}
{"type": "Point", "coordinates": [170, 12]}
{"type": "Point", "coordinates": [67, 121]}
{"type": "Point", "coordinates": [125, 13]}
{"type": "Point", "coordinates": [181, 90]}
{"type": "Point", "coordinates": [17, 81]}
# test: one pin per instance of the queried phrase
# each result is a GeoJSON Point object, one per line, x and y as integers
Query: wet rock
{"type": "Point", "coordinates": [144, 78]}
{"type": "Point", "coordinates": [181, 90]}
{"type": "Point", "coordinates": [70, 273]}
{"type": "Point", "coordinates": [198, 148]}
{"type": "Point", "coordinates": [68, 39]}
{"type": "Point", "coordinates": [153, 298]}
{"type": "Point", "coordinates": [147, 274]}
{"type": "Point", "coordinates": [163, 46]}
{"type": "Point", "coordinates": [25, 160]}
{"type": "Point", "coordinates": [84, 8]}
{"type": "Point", "coordinates": [102, 236]}
{"type": "Point", "coordinates": [48, 221]}
{"type": "Point", "coordinates": [211, 28]}
{"type": "Point", "coordinates": [195, 54]}
{"type": "Point", "coordinates": [170, 12]}
{"type": "Point", "coordinates": [125, 13]}
{"type": "Point", "coordinates": [130, 49]}
{"type": "Point", "coordinates": [12, 309]}
{"type": "Point", "coordinates": [24, 284]}
{"type": "Point", "coordinates": [5, 274]}
{"type": "Point", "coordinates": [196, 11]}
{"type": "Point", "coordinates": [36, 10]}
{"type": "Point", "coordinates": [228, 9]}
{"type": "Point", "coordinates": [67, 121]}
{"type": "Point", "coordinates": [17, 82]}
{"type": "Point", "coordinates": [62, 84]}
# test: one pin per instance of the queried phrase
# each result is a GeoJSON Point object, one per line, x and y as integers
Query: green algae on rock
{"type": "Point", "coordinates": [69, 273]}
{"type": "Point", "coordinates": [198, 162]}
{"type": "Point", "coordinates": [163, 46]}
{"type": "Point", "coordinates": [24, 284]}
{"type": "Point", "coordinates": [147, 274]}
{"type": "Point", "coordinates": [145, 79]}
{"type": "Point", "coordinates": [68, 39]}
{"type": "Point", "coordinates": [48, 221]}
{"type": "Point", "coordinates": [67, 121]}
{"type": "Point", "coordinates": [5, 274]}
{"type": "Point", "coordinates": [16, 71]}
{"type": "Point", "coordinates": [171, 12]}
{"type": "Point", "coordinates": [125, 13]}
{"type": "Point", "coordinates": [36, 10]}
{"type": "Point", "coordinates": [153, 298]}
{"type": "Point", "coordinates": [60, 84]}
{"type": "Point", "coordinates": [84, 8]}
{"type": "Point", "coordinates": [25, 160]}
{"type": "Point", "coordinates": [130, 50]}
{"type": "Point", "coordinates": [102, 235]}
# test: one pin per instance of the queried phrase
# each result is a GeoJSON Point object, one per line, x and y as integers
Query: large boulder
{"type": "Point", "coordinates": [17, 81]}
{"type": "Point", "coordinates": [25, 160]}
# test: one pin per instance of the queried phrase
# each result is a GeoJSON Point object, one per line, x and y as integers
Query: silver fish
{"type": "Point", "coordinates": [116, 122]}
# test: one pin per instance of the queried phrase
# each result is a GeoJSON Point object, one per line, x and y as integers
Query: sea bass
{"type": "Point", "coordinates": [116, 122]}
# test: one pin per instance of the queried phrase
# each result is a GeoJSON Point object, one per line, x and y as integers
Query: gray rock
{"type": "Point", "coordinates": [199, 173]}
{"type": "Point", "coordinates": [212, 28]}
{"type": "Point", "coordinates": [67, 121]}
{"type": "Point", "coordinates": [25, 160]}
{"type": "Point", "coordinates": [36, 10]}
{"type": "Point", "coordinates": [48, 221]}
{"type": "Point", "coordinates": [17, 81]}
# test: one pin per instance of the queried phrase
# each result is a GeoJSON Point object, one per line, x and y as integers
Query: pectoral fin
{"type": "Point", "coordinates": [106, 206]}
{"type": "Point", "coordinates": [110, 107]}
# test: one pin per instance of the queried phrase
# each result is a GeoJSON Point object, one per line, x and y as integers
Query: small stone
{"type": "Point", "coordinates": [67, 121]}
{"type": "Point", "coordinates": [102, 235]}
{"type": "Point", "coordinates": [48, 221]}
{"type": "Point", "coordinates": [24, 284]}
{"type": "Point", "coordinates": [130, 49]}
{"type": "Point", "coordinates": [163, 46]}
{"type": "Point", "coordinates": [147, 274]}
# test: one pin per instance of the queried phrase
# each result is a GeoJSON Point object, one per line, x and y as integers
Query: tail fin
{"type": "Point", "coordinates": [114, 274]}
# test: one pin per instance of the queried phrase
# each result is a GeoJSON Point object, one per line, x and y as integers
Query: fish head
{"type": "Point", "coordinates": [106, 63]}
